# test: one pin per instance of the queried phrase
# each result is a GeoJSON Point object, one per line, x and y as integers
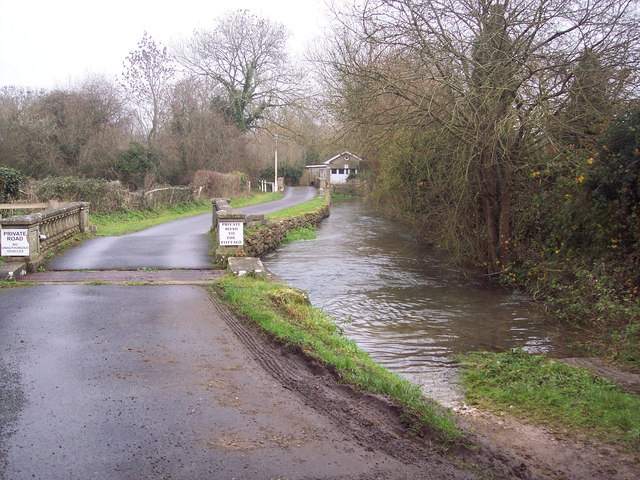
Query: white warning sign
{"type": "Point", "coordinates": [230, 233]}
{"type": "Point", "coordinates": [14, 242]}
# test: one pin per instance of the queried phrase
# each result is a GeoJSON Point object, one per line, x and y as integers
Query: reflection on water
{"type": "Point", "coordinates": [402, 302]}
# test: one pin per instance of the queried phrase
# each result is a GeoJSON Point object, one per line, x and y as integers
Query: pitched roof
{"type": "Point", "coordinates": [351, 155]}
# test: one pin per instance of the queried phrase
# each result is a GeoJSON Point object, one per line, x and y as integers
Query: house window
{"type": "Point", "coordinates": [334, 171]}
{"type": "Point", "coordinates": [341, 171]}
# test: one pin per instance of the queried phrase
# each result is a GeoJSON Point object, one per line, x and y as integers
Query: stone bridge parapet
{"type": "Point", "coordinates": [46, 230]}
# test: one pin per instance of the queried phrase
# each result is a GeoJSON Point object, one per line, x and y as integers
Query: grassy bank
{"type": "Point", "coordinates": [287, 316]}
{"type": "Point", "coordinates": [597, 297]}
{"type": "Point", "coordinates": [308, 232]}
{"type": "Point", "coordinates": [308, 207]}
{"type": "Point", "coordinates": [254, 199]}
{"type": "Point", "coordinates": [565, 398]}
{"type": "Point", "coordinates": [121, 223]}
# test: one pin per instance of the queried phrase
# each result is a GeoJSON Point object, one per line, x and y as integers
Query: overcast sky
{"type": "Point", "coordinates": [54, 43]}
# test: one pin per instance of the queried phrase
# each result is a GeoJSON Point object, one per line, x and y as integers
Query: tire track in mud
{"type": "Point", "coordinates": [372, 420]}
{"type": "Point", "coordinates": [265, 357]}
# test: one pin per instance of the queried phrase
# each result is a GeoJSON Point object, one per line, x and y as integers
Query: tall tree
{"type": "Point", "coordinates": [245, 57]}
{"type": "Point", "coordinates": [197, 137]}
{"type": "Point", "coordinates": [488, 75]}
{"type": "Point", "coordinates": [147, 78]}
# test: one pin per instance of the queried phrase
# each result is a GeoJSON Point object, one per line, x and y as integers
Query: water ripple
{"type": "Point", "coordinates": [403, 303]}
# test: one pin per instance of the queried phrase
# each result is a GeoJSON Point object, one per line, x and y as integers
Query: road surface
{"type": "Point", "coordinates": [125, 381]}
{"type": "Point", "coordinates": [180, 244]}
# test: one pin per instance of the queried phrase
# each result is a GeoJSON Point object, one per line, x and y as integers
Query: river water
{"type": "Point", "coordinates": [403, 303]}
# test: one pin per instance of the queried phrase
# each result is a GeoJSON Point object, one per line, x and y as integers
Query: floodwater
{"type": "Point", "coordinates": [404, 303]}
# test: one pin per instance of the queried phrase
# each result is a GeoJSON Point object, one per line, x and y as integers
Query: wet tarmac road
{"type": "Point", "coordinates": [181, 243]}
{"type": "Point", "coordinates": [147, 382]}
{"type": "Point", "coordinates": [133, 382]}
{"type": "Point", "coordinates": [292, 197]}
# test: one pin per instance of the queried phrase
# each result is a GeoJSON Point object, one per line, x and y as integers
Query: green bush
{"type": "Point", "coordinates": [10, 181]}
{"type": "Point", "coordinates": [104, 196]}
{"type": "Point", "coordinates": [576, 243]}
{"type": "Point", "coordinates": [135, 163]}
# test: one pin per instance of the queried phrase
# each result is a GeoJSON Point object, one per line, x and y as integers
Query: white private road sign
{"type": "Point", "coordinates": [231, 233]}
{"type": "Point", "coordinates": [14, 242]}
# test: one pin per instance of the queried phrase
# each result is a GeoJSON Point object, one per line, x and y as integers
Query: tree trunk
{"type": "Point", "coordinates": [505, 217]}
{"type": "Point", "coordinates": [495, 192]}
{"type": "Point", "coordinates": [488, 193]}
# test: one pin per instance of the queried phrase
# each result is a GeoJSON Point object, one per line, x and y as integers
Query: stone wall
{"type": "Point", "coordinates": [263, 239]}
{"type": "Point", "coordinates": [354, 187]}
{"type": "Point", "coordinates": [260, 234]}
{"type": "Point", "coordinates": [47, 229]}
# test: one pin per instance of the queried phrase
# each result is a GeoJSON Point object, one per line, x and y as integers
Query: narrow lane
{"type": "Point", "coordinates": [116, 382]}
{"type": "Point", "coordinates": [137, 382]}
{"type": "Point", "coordinates": [292, 196]}
{"type": "Point", "coordinates": [180, 244]}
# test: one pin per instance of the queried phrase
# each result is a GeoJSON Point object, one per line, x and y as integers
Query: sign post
{"type": "Point", "coordinates": [230, 225]}
{"type": "Point", "coordinates": [230, 233]}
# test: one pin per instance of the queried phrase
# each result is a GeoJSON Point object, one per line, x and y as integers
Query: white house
{"type": "Point", "coordinates": [334, 171]}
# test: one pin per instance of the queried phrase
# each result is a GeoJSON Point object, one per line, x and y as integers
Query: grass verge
{"type": "Point", "coordinates": [287, 316]}
{"type": "Point", "coordinates": [307, 232]}
{"type": "Point", "coordinates": [14, 284]}
{"type": "Point", "coordinates": [536, 388]}
{"type": "Point", "coordinates": [130, 221]}
{"type": "Point", "coordinates": [254, 199]}
{"type": "Point", "coordinates": [308, 207]}
{"type": "Point", "coordinates": [135, 220]}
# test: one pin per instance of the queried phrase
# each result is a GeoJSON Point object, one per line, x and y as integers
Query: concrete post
{"type": "Point", "coordinates": [230, 226]}
{"type": "Point", "coordinates": [30, 223]}
{"type": "Point", "coordinates": [218, 204]}
{"type": "Point", "coordinates": [83, 217]}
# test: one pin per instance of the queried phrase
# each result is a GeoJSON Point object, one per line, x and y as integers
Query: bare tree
{"type": "Point", "coordinates": [197, 136]}
{"type": "Point", "coordinates": [147, 79]}
{"type": "Point", "coordinates": [245, 58]}
{"type": "Point", "coordinates": [64, 132]}
{"type": "Point", "coordinates": [491, 76]}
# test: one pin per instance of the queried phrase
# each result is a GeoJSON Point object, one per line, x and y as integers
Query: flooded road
{"type": "Point", "coordinates": [404, 303]}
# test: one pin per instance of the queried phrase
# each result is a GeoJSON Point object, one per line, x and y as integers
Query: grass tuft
{"type": "Point", "coordinates": [308, 232]}
{"type": "Point", "coordinates": [254, 199]}
{"type": "Point", "coordinates": [308, 207]}
{"type": "Point", "coordinates": [537, 388]}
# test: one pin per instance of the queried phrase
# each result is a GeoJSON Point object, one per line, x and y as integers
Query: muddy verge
{"type": "Point", "coordinates": [498, 447]}
{"type": "Point", "coordinates": [545, 454]}
{"type": "Point", "coordinates": [557, 455]}
{"type": "Point", "coordinates": [628, 380]}
{"type": "Point", "coordinates": [374, 420]}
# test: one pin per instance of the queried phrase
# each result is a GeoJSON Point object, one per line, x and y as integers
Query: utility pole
{"type": "Point", "coordinates": [275, 183]}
